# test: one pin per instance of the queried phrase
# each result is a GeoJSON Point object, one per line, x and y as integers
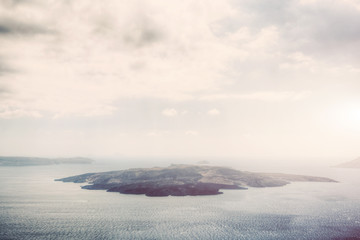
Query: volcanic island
{"type": "Point", "coordinates": [183, 180]}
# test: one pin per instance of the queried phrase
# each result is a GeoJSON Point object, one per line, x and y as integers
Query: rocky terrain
{"type": "Point", "coordinates": [33, 161]}
{"type": "Point", "coordinates": [182, 180]}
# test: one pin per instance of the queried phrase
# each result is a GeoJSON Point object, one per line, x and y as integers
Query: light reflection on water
{"type": "Point", "coordinates": [34, 206]}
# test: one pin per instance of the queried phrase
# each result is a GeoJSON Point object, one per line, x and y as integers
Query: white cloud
{"type": "Point", "coordinates": [18, 113]}
{"type": "Point", "coordinates": [81, 58]}
{"type": "Point", "coordinates": [169, 112]}
{"type": "Point", "coordinates": [113, 51]}
{"type": "Point", "coordinates": [213, 112]}
{"type": "Point", "coordinates": [308, 2]}
{"type": "Point", "coordinates": [129, 60]}
{"type": "Point", "coordinates": [260, 96]}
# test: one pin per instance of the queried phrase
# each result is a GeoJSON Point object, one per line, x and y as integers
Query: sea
{"type": "Point", "coordinates": [33, 206]}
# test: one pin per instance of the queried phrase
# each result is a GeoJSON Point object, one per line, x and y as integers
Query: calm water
{"type": "Point", "coordinates": [34, 206]}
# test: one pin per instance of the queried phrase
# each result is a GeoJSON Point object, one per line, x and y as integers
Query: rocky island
{"type": "Point", "coordinates": [35, 161]}
{"type": "Point", "coordinates": [182, 180]}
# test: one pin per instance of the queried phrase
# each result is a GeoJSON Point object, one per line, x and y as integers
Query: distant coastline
{"type": "Point", "coordinates": [35, 161]}
{"type": "Point", "coordinates": [350, 164]}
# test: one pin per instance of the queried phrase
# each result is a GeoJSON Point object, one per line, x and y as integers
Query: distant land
{"type": "Point", "coordinates": [34, 161]}
{"type": "Point", "coordinates": [351, 164]}
{"type": "Point", "coordinates": [182, 180]}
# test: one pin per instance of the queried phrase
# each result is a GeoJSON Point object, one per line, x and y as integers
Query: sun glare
{"type": "Point", "coordinates": [347, 116]}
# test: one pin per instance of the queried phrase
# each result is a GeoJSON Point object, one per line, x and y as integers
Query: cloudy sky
{"type": "Point", "coordinates": [220, 78]}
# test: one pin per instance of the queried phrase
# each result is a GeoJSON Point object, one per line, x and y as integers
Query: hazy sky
{"type": "Point", "coordinates": [195, 78]}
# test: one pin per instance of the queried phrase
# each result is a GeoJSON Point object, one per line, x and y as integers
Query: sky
{"type": "Point", "coordinates": [276, 79]}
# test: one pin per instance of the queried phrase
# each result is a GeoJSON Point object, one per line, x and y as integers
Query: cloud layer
{"type": "Point", "coordinates": [79, 58]}
{"type": "Point", "coordinates": [165, 65]}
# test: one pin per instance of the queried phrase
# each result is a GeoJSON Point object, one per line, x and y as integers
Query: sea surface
{"type": "Point", "coordinates": [34, 206]}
